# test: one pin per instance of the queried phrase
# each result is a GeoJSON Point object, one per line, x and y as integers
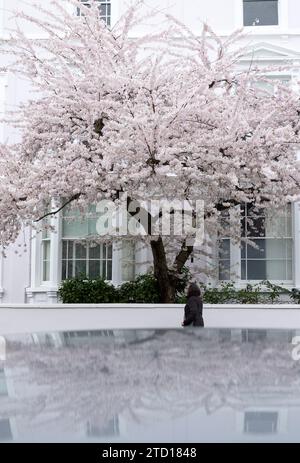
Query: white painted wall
{"type": "Point", "coordinates": [68, 317]}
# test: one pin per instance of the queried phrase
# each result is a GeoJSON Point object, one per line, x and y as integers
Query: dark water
{"type": "Point", "coordinates": [192, 385]}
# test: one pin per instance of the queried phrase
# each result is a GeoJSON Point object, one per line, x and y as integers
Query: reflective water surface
{"type": "Point", "coordinates": [187, 385]}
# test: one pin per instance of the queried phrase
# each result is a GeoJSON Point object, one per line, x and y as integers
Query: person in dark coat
{"type": "Point", "coordinates": [193, 308]}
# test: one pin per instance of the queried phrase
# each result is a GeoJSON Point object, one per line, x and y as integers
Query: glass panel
{"type": "Point", "coordinates": [276, 270]}
{"type": "Point", "coordinates": [46, 250]}
{"type": "Point", "coordinates": [260, 422]}
{"type": "Point", "coordinates": [64, 249]}
{"type": "Point", "coordinates": [289, 270]}
{"type": "Point", "coordinates": [224, 249]}
{"type": "Point", "coordinates": [92, 221]}
{"type": "Point", "coordinates": [80, 251]}
{"type": "Point", "coordinates": [94, 268]}
{"type": "Point", "coordinates": [70, 249]}
{"type": "Point", "coordinates": [128, 261]}
{"type": "Point", "coordinates": [109, 251]}
{"type": "Point", "coordinates": [74, 228]}
{"type": "Point", "coordinates": [260, 12]}
{"type": "Point", "coordinates": [256, 270]}
{"type": "Point", "coordinates": [224, 270]}
{"type": "Point", "coordinates": [103, 272]}
{"type": "Point", "coordinates": [276, 249]}
{"type": "Point", "coordinates": [102, 9]}
{"type": "Point", "coordinates": [289, 248]}
{"type": "Point", "coordinates": [276, 226]}
{"type": "Point", "coordinates": [64, 270]}
{"type": "Point", "coordinates": [256, 226]}
{"type": "Point", "coordinates": [109, 270]}
{"type": "Point", "coordinates": [80, 268]}
{"type": "Point", "coordinates": [46, 270]}
{"type": "Point", "coordinates": [243, 270]}
{"type": "Point", "coordinates": [257, 253]}
{"type": "Point", "coordinates": [94, 252]}
{"type": "Point", "coordinates": [70, 268]}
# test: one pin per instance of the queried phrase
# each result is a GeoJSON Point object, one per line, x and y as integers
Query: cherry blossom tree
{"type": "Point", "coordinates": [163, 115]}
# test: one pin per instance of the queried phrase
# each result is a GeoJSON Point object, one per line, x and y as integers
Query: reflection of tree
{"type": "Point", "coordinates": [167, 375]}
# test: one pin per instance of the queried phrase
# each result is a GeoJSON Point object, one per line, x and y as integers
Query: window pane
{"type": "Point", "coordinates": [276, 270]}
{"type": "Point", "coordinates": [64, 249]}
{"type": "Point", "coordinates": [80, 268]}
{"type": "Point", "coordinates": [94, 252]}
{"type": "Point", "coordinates": [64, 270]}
{"type": "Point", "coordinates": [258, 252]}
{"type": "Point", "coordinates": [255, 226]}
{"type": "Point", "coordinates": [256, 270]}
{"type": "Point", "coordinates": [276, 249]}
{"type": "Point", "coordinates": [46, 250]}
{"type": "Point", "coordinates": [109, 270]}
{"type": "Point", "coordinates": [70, 249]}
{"type": "Point", "coordinates": [289, 270]}
{"type": "Point", "coordinates": [260, 12]}
{"type": "Point", "coordinates": [224, 249]}
{"type": "Point", "coordinates": [243, 270]}
{"type": "Point", "coordinates": [80, 251]}
{"type": "Point", "coordinates": [70, 268]}
{"type": "Point", "coordinates": [74, 229]}
{"type": "Point", "coordinates": [46, 270]}
{"type": "Point", "coordinates": [260, 422]}
{"type": "Point", "coordinates": [103, 269]}
{"type": "Point", "coordinates": [224, 270]}
{"type": "Point", "coordinates": [94, 268]}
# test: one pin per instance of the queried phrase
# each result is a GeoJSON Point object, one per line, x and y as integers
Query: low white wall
{"type": "Point", "coordinates": [18, 318]}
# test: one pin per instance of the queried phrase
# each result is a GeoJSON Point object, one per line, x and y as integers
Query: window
{"type": "Point", "coordinates": [128, 261]}
{"type": "Point", "coordinates": [268, 252]}
{"type": "Point", "coordinates": [260, 12]}
{"type": "Point", "coordinates": [224, 259]}
{"type": "Point", "coordinates": [79, 257]}
{"type": "Point", "coordinates": [261, 422]}
{"type": "Point", "coordinates": [85, 259]}
{"type": "Point", "coordinates": [271, 258]}
{"type": "Point", "coordinates": [46, 245]}
{"type": "Point", "coordinates": [75, 338]}
{"type": "Point", "coordinates": [109, 429]}
{"type": "Point", "coordinates": [225, 249]}
{"type": "Point", "coordinates": [104, 9]}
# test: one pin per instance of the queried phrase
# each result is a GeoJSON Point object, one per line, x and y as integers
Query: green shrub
{"type": "Point", "coordinates": [143, 290]}
{"type": "Point", "coordinates": [82, 290]}
{"type": "Point", "coordinates": [252, 294]}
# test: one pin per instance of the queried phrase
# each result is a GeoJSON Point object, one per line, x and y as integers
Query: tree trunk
{"type": "Point", "coordinates": [161, 272]}
{"type": "Point", "coordinates": [168, 279]}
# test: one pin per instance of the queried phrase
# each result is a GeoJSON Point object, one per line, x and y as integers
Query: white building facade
{"type": "Point", "coordinates": [273, 36]}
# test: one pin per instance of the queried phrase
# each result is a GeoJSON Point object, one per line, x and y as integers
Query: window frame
{"type": "Point", "coordinates": [108, 7]}
{"type": "Point", "coordinates": [86, 259]}
{"type": "Point", "coordinates": [235, 259]}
